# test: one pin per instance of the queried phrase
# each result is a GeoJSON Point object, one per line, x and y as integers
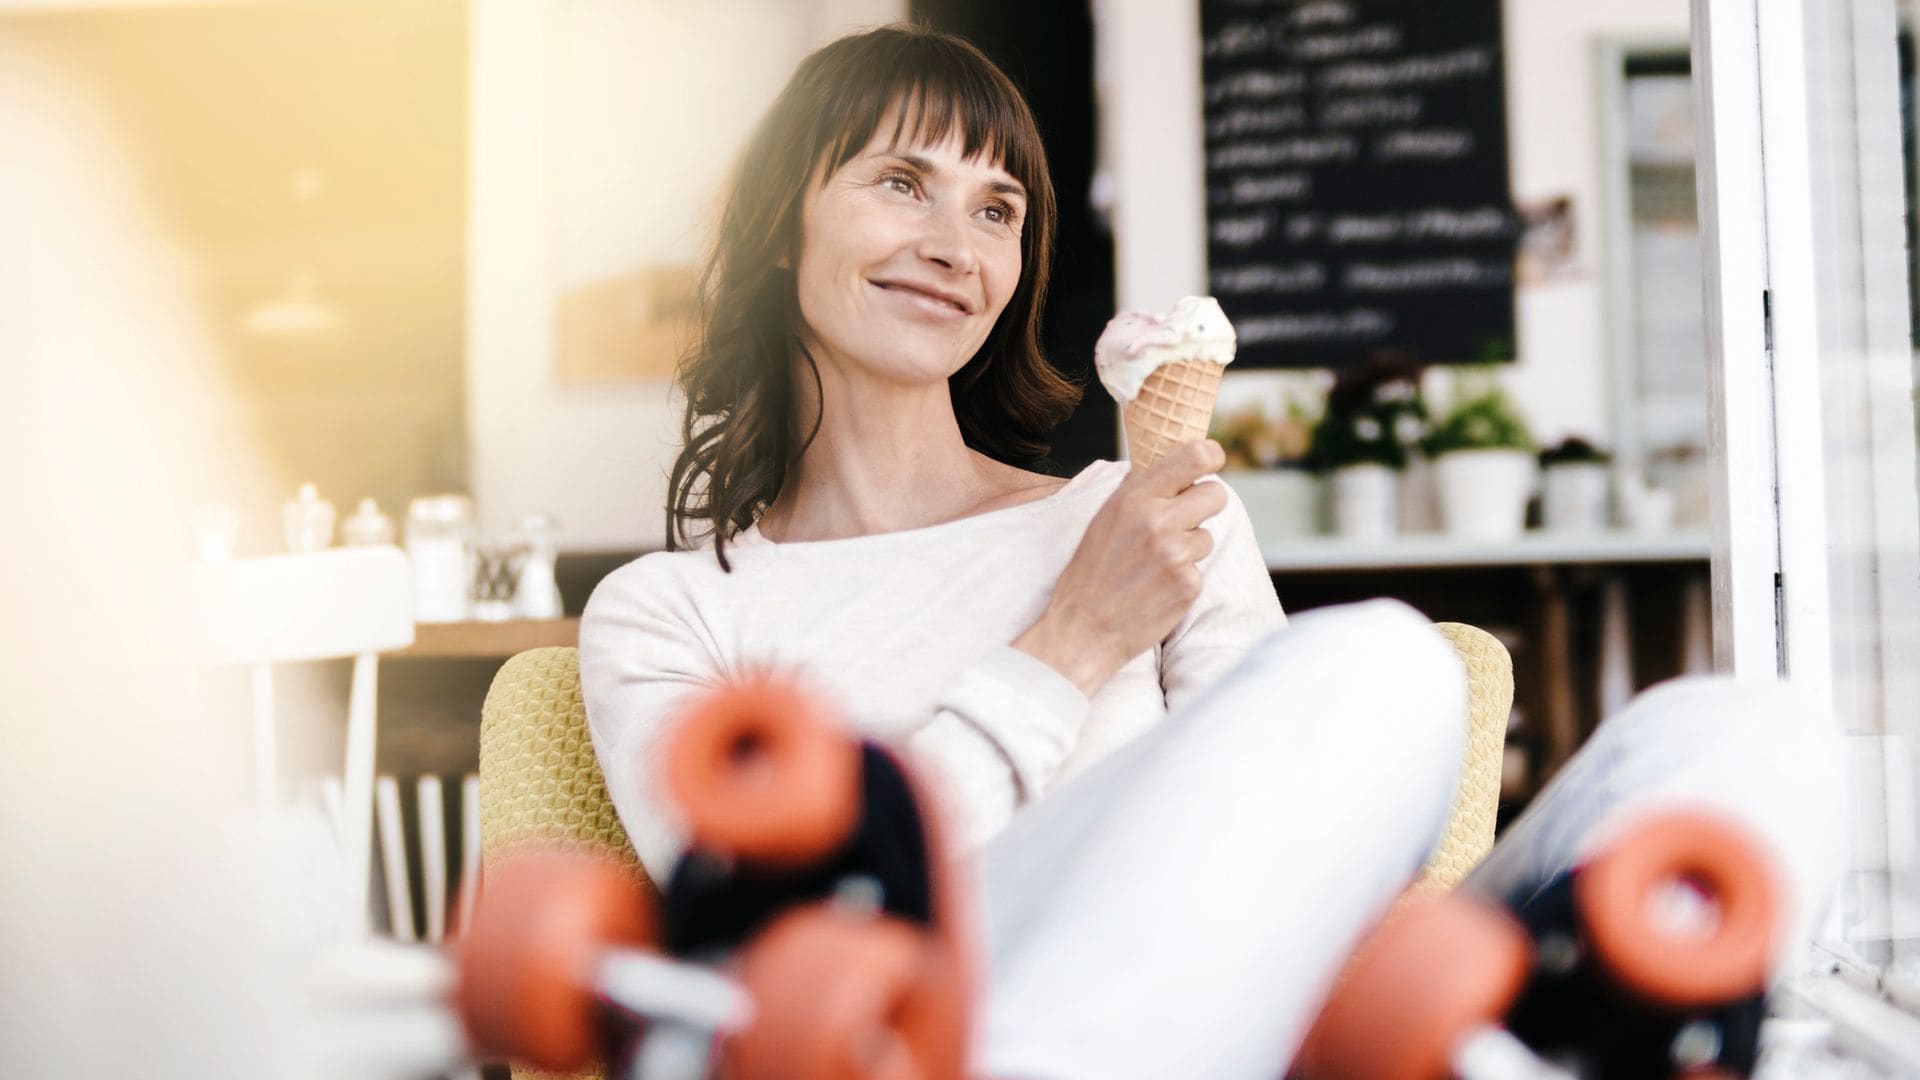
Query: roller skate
{"type": "Point", "coordinates": [1648, 961]}
{"type": "Point", "coordinates": [810, 932]}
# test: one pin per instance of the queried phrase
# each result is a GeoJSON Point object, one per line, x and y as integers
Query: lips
{"type": "Point", "coordinates": [937, 296]}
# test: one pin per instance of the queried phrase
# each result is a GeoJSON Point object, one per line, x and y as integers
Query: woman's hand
{"type": "Point", "coordinates": [1133, 577]}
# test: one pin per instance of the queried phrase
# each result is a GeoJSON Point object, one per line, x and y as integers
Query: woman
{"type": "Point", "coordinates": [862, 417]}
{"type": "Point", "coordinates": [858, 416]}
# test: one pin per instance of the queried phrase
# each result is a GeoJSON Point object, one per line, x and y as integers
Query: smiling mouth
{"type": "Point", "coordinates": [911, 291]}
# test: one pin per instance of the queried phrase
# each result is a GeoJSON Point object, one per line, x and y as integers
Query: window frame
{"type": "Point", "coordinates": [1760, 175]}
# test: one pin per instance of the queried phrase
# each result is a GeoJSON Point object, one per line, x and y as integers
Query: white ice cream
{"type": "Point", "coordinates": [1137, 342]}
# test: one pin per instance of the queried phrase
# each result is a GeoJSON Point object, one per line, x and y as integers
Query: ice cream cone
{"type": "Point", "coordinates": [1165, 372]}
{"type": "Point", "coordinates": [1174, 406]}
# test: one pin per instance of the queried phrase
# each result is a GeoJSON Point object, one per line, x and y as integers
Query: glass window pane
{"type": "Point", "coordinates": [1860, 121]}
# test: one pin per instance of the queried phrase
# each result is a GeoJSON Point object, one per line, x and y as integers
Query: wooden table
{"type": "Point", "coordinates": [1439, 551]}
{"type": "Point", "coordinates": [1552, 563]}
{"type": "Point", "coordinates": [489, 640]}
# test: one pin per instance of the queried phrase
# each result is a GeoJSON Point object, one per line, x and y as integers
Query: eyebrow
{"type": "Point", "coordinates": [998, 187]}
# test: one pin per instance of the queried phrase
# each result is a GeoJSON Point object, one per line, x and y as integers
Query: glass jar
{"type": "Point", "coordinates": [440, 546]}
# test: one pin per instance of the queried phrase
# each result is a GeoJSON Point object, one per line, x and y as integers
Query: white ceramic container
{"type": "Point", "coordinates": [1364, 502]}
{"type": "Point", "coordinates": [1281, 503]}
{"type": "Point", "coordinates": [1575, 497]}
{"type": "Point", "coordinates": [1484, 493]}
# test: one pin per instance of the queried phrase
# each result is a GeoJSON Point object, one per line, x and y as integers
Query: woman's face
{"type": "Point", "coordinates": [908, 254]}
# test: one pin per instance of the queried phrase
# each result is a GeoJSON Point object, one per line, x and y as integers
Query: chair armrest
{"type": "Point", "coordinates": [1476, 802]}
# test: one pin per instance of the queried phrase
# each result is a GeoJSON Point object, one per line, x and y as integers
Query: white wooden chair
{"type": "Point", "coordinates": [325, 605]}
{"type": "Point", "coordinates": [429, 846]}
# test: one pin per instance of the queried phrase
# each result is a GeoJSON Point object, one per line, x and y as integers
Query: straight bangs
{"type": "Point", "coordinates": [939, 92]}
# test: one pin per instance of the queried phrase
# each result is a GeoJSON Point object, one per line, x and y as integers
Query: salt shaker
{"type": "Point", "coordinates": [537, 595]}
{"type": "Point", "coordinates": [368, 527]}
{"type": "Point", "coordinates": [440, 546]}
{"type": "Point", "coordinates": [308, 520]}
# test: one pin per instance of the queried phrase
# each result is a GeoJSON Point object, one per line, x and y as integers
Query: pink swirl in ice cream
{"type": "Point", "coordinates": [1135, 343]}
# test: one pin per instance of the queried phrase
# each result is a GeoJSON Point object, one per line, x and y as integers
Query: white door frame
{"type": "Point", "coordinates": [1815, 515]}
{"type": "Point", "coordinates": [1757, 218]}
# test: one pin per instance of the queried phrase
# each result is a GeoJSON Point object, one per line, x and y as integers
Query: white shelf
{"type": "Point", "coordinates": [1435, 550]}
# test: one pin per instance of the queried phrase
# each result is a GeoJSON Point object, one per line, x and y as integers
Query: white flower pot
{"type": "Point", "coordinates": [1483, 493]}
{"type": "Point", "coordinates": [1574, 497]}
{"type": "Point", "coordinates": [1280, 502]}
{"type": "Point", "coordinates": [1364, 502]}
{"type": "Point", "coordinates": [1419, 512]}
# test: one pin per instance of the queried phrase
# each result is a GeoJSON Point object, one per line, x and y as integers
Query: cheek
{"type": "Point", "coordinates": [807, 291]}
{"type": "Point", "coordinates": [819, 269]}
{"type": "Point", "coordinates": [1001, 273]}
{"type": "Point", "coordinates": [811, 279]}
{"type": "Point", "coordinates": [823, 237]}
{"type": "Point", "coordinates": [842, 242]}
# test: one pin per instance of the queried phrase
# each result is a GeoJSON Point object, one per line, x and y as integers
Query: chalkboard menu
{"type": "Point", "coordinates": [1357, 192]}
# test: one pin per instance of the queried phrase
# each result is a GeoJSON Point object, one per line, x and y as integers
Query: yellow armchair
{"type": "Point", "coordinates": [539, 779]}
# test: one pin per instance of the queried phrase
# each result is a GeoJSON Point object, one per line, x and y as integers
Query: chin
{"type": "Point", "coordinates": [912, 361]}
{"type": "Point", "coordinates": [931, 371]}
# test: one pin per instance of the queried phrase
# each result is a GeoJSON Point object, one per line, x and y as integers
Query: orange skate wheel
{"type": "Point", "coordinates": [1434, 970]}
{"type": "Point", "coordinates": [763, 776]}
{"type": "Point", "coordinates": [1665, 964]}
{"type": "Point", "coordinates": [841, 996]}
{"type": "Point", "coordinates": [526, 963]}
{"type": "Point", "coordinates": [933, 1019]}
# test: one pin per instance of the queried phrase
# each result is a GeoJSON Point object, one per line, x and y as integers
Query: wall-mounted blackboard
{"type": "Point", "coordinates": [1357, 184]}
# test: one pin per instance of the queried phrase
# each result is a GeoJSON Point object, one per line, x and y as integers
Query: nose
{"type": "Point", "coordinates": [946, 241]}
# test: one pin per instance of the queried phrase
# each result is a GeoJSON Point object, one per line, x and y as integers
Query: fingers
{"type": "Point", "coordinates": [1199, 545]}
{"type": "Point", "coordinates": [1180, 467]}
{"type": "Point", "coordinates": [1196, 504]}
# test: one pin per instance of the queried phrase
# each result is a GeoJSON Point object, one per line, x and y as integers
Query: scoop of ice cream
{"type": "Point", "coordinates": [1137, 342]}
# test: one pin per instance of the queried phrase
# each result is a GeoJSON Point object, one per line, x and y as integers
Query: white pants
{"type": "Point", "coordinates": [1180, 909]}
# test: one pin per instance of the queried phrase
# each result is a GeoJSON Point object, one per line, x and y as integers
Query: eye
{"type": "Point", "coordinates": [1001, 213]}
{"type": "Point", "coordinates": [900, 182]}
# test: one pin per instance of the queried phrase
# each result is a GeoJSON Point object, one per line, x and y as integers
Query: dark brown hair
{"type": "Point", "coordinates": [738, 427]}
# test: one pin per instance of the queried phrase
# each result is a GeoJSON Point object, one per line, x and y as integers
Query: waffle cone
{"type": "Point", "coordinates": [1174, 406]}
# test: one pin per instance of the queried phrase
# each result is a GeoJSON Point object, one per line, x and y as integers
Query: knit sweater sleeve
{"type": "Point", "coordinates": [998, 734]}
{"type": "Point", "coordinates": [641, 661]}
{"type": "Point", "coordinates": [998, 731]}
{"type": "Point", "coordinates": [1237, 607]}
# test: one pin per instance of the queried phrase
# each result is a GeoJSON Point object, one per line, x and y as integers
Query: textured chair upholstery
{"type": "Point", "coordinates": [539, 780]}
{"type": "Point", "coordinates": [1476, 802]}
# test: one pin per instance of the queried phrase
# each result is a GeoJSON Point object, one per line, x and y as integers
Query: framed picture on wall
{"type": "Point", "coordinates": [629, 324]}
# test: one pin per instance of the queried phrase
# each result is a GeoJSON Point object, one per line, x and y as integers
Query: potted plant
{"type": "Point", "coordinates": [1266, 467]}
{"type": "Point", "coordinates": [1483, 461]}
{"type": "Point", "coordinates": [1375, 416]}
{"type": "Point", "coordinates": [1573, 486]}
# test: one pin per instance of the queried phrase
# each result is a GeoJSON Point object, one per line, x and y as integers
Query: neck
{"type": "Point", "coordinates": [887, 457]}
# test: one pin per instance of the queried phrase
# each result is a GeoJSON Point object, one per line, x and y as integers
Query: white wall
{"type": "Point", "coordinates": [596, 456]}
{"type": "Point", "coordinates": [1561, 376]}
{"type": "Point", "coordinates": [1554, 127]}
